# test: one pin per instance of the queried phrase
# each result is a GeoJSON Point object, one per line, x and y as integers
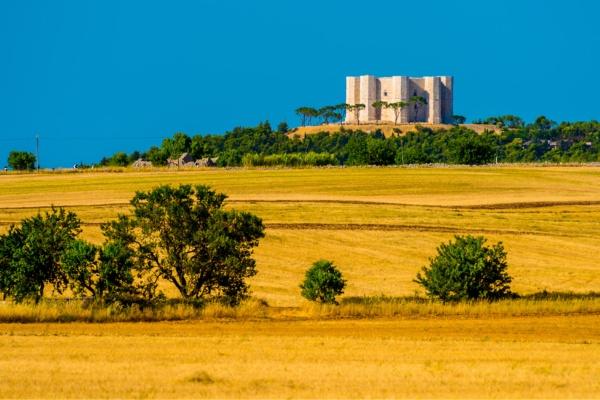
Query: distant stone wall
{"type": "Point", "coordinates": [367, 89]}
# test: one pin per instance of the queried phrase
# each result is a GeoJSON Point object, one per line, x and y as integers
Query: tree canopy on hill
{"type": "Point", "coordinates": [541, 141]}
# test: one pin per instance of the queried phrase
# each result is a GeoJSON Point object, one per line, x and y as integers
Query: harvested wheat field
{"type": "Point", "coordinates": [538, 357]}
{"type": "Point", "coordinates": [380, 226]}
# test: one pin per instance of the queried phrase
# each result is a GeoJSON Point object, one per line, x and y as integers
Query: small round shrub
{"type": "Point", "coordinates": [323, 281]}
{"type": "Point", "coordinates": [466, 269]}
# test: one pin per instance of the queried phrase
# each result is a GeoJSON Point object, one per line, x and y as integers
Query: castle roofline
{"type": "Point", "coordinates": [403, 76]}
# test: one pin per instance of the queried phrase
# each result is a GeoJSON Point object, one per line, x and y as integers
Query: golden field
{"type": "Point", "coordinates": [535, 357]}
{"type": "Point", "coordinates": [379, 225]}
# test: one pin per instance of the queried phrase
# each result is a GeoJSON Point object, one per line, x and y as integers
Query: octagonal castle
{"type": "Point", "coordinates": [367, 89]}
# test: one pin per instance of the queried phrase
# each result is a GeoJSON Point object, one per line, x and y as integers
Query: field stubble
{"type": "Point", "coordinates": [534, 357]}
{"type": "Point", "coordinates": [379, 226]}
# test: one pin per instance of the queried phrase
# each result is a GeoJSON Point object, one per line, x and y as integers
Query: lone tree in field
{"type": "Point", "coordinates": [183, 235]}
{"type": "Point", "coordinates": [466, 269]}
{"type": "Point", "coordinates": [30, 254]}
{"type": "Point", "coordinates": [21, 160]}
{"type": "Point", "coordinates": [323, 281]}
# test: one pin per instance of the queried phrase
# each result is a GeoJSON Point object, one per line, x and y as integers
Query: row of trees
{"type": "Point", "coordinates": [181, 235]}
{"type": "Point", "coordinates": [540, 141]}
{"type": "Point", "coordinates": [310, 159]}
{"type": "Point", "coordinates": [337, 112]}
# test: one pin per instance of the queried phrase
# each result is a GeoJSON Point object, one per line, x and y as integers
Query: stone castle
{"type": "Point", "coordinates": [367, 89]}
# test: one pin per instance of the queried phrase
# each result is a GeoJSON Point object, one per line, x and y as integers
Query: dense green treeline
{"type": "Point", "coordinates": [540, 141]}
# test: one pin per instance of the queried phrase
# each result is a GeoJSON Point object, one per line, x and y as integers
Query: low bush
{"type": "Point", "coordinates": [466, 269]}
{"type": "Point", "coordinates": [323, 282]}
{"type": "Point", "coordinates": [310, 159]}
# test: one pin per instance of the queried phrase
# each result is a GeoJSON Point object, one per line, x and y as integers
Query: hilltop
{"type": "Point", "coordinates": [388, 129]}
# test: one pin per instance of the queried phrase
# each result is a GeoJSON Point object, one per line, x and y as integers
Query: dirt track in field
{"type": "Point", "coordinates": [491, 206]}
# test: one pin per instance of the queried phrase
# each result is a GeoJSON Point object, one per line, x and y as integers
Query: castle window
{"type": "Point", "coordinates": [385, 93]}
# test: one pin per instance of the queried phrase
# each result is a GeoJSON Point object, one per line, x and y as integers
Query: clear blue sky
{"type": "Point", "coordinates": [94, 77]}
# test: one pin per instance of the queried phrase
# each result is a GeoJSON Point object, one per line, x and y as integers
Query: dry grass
{"type": "Point", "coordinates": [76, 311]}
{"type": "Point", "coordinates": [534, 357]}
{"type": "Point", "coordinates": [420, 308]}
{"type": "Point", "coordinates": [254, 309]}
{"type": "Point", "coordinates": [387, 128]}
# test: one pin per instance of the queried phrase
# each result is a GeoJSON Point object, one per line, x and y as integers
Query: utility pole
{"type": "Point", "coordinates": [37, 152]}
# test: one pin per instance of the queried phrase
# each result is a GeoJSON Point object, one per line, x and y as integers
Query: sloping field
{"type": "Point", "coordinates": [380, 225]}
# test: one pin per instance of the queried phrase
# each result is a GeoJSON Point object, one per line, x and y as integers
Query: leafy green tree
{"type": "Point", "coordinates": [466, 269]}
{"type": "Point", "coordinates": [9, 243]}
{"type": "Point", "coordinates": [78, 262]}
{"type": "Point", "coordinates": [30, 254]}
{"type": "Point", "coordinates": [133, 156]}
{"type": "Point", "coordinates": [397, 107]}
{"type": "Point", "coordinates": [157, 156]}
{"type": "Point", "coordinates": [121, 278]}
{"type": "Point", "coordinates": [470, 149]}
{"type": "Point", "coordinates": [323, 282]}
{"type": "Point", "coordinates": [380, 151]}
{"type": "Point", "coordinates": [177, 145]}
{"type": "Point", "coordinates": [21, 160]}
{"type": "Point", "coordinates": [378, 106]}
{"type": "Point", "coordinates": [107, 274]}
{"type": "Point", "coordinates": [544, 123]}
{"type": "Point", "coordinates": [282, 127]}
{"type": "Point", "coordinates": [183, 235]}
{"type": "Point", "coordinates": [119, 159]}
{"type": "Point", "coordinates": [358, 153]}
{"type": "Point", "coordinates": [230, 158]}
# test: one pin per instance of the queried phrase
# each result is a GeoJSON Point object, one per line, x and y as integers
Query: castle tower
{"type": "Point", "coordinates": [434, 101]}
{"type": "Point", "coordinates": [447, 100]}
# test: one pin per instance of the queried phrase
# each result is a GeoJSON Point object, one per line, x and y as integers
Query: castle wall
{"type": "Point", "coordinates": [417, 113]}
{"type": "Point", "coordinates": [352, 95]}
{"type": "Point", "coordinates": [447, 99]}
{"type": "Point", "coordinates": [368, 95]}
{"type": "Point", "coordinates": [366, 89]}
{"type": "Point", "coordinates": [386, 93]}
{"type": "Point", "coordinates": [434, 102]}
